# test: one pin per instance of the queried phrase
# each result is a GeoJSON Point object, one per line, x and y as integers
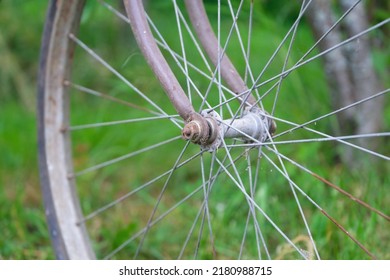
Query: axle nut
{"type": "Point", "coordinates": [192, 131]}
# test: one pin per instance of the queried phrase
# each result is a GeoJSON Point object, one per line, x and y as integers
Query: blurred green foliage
{"type": "Point", "coordinates": [24, 233]}
{"type": "Point", "coordinates": [22, 220]}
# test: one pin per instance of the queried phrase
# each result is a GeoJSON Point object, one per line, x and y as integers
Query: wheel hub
{"type": "Point", "coordinates": [208, 129]}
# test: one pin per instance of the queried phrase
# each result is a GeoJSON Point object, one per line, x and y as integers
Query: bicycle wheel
{"type": "Point", "coordinates": [119, 181]}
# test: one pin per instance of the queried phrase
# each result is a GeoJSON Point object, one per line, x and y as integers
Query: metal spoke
{"type": "Point", "coordinates": [339, 189]}
{"type": "Point", "coordinates": [286, 61]}
{"type": "Point", "coordinates": [296, 199]}
{"type": "Point", "coordinates": [245, 53]}
{"type": "Point", "coordinates": [334, 138]}
{"type": "Point", "coordinates": [108, 97]}
{"type": "Point", "coordinates": [155, 221]}
{"type": "Point", "coordinates": [274, 225]}
{"type": "Point", "coordinates": [206, 193]}
{"type": "Point", "coordinates": [134, 191]}
{"type": "Point", "coordinates": [319, 207]}
{"type": "Point", "coordinates": [127, 156]}
{"type": "Point", "coordinates": [271, 59]}
{"type": "Point", "coordinates": [117, 74]}
{"type": "Point", "coordinates": [111, 123]}
{"type": "Point", "coordinates": [183, 70]}
{"type": "Point", "coordinates": [298, 65]}
{"type": "Point", "coordinates": [298, 141]}
{"type": "Point", "coordinates": [334, 112]}
{"type": "Point", "coordinates": [157, 203]}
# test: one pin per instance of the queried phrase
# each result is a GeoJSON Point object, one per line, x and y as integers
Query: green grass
{"type": "Point", "coordinates": [24, 232]}
{"type": "Point", "coordinates": [22, 220]}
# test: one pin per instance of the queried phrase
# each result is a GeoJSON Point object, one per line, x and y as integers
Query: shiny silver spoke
{"type": "Point", "coordinates": [152, 224]}
{"type": "Point", "coordinates": [298, 203]}
{"type": "Point", "coordinates": [117, 74]}
{"type": "Point", "coordinates": [210, 182]}
{"type": "Point", "coordinates": [339, 189]}
{"type": "Point", "coordinates": [183, 51]}
{"type": "Point", "coordinates": [274, 225]}
{"type": "Point", "coordinates": [245, 53]}
{"type": "Point", "coordinates": [191, 230]}
{"type": "Point", "coordinates": [311, 140]}
{"type": "Point", "coordinates": [158, 200]}
{"type": "Point", "coordinates": [109, 97]}
{"type": "Point", "coordinates": [136, 120]}
{"type": "Point", "coordinates": [292, 40]}
{"type": "Point", "coordinates": [127, 156]}
{"type": "Point", "coordinates": [134, 191]}
{"type": "Point", "coordinates": [277, 50]}
{"type": "Point", "coordinates": [379, 94]}
{"type": "Point", "coordinates": [248, 48]}
{"type": "Point", "coordinates": [252, 193]}
{"type": "Point", "coordinates": [174, 56]}
{"type": "Point", "coordinates": [317, 56]}
{"type": "Point", "coordinates": [252, 204]}
{"type": "Point", "coordinates": [318, 206]}
{"type": "Point", "coordinates": [335, 138]}
{"type": "Point", "coordinates": [206, 192]}
{"type": "Point", "coordinates": [221, 54]}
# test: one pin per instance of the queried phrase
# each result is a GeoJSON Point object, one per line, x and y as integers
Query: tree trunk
{"type": "Point", "coordinates": [350, 73]}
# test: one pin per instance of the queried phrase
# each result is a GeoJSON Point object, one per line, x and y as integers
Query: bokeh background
{"type": "Point", "coordinates": [23, 230]}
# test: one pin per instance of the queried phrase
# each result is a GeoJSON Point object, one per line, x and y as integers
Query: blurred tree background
{"type": "Point", "coordinates": [22, 221]}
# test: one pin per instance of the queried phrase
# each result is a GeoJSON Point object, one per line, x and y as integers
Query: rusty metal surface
{"type": "Point", "coordinates": [156, 60]}
{"type": "Point", "coordinates": [210, 43]}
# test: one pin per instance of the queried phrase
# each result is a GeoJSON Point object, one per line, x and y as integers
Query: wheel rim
{"type": "Point", "coordinates": [71, 240]}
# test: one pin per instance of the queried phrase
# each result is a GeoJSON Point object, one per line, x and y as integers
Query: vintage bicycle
{"type": "Point", "coordinates": [241, 174]}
